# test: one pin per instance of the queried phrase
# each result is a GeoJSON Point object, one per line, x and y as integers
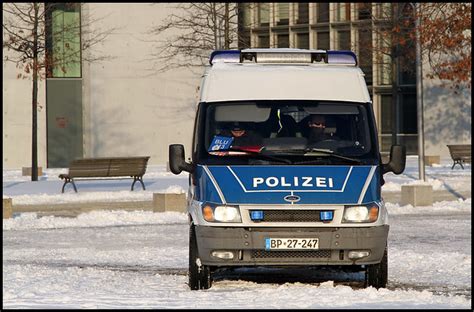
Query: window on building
{"type": "Point", "coordinates": [344, 40]}
{"type": "Point", "coordinates": [283, 41]}
{"type": "Point", "coordinates": [246, 16]}
{"type": "Point", "coordinates": [322, 12]}
{"type": "Point", "coordinates": [245, 23]}
{"type": "Point", "coordinates": [322, 40]}
{"type": "Point", "coordinates": [64, 40]}
{"type": "Point", "coordinates": [302, 40]}
{"type": "Point", "coordinates": [343, 12]}
{"type": "Point", "coordinates": [384, 10]}
{"type": "Point", "coordinates": [263, 14]}
{"type": "Point", "coordinates": [283, 14]}
{"type": "Point", "coordinates": [386, 113]}
{"type": "Point", "coordinates": [244, 40]}
{"type": "Point", "coordinates": [385, 122]}
{"type": "Point", "coordinates": [407, 46]}
{"type": "Point", "coordinates": [263, 41]}
{"type": "Point", "coordinates": [364, 10]}
{"type": "Point", "coordinates": [408, 130]}
{"type": "Point", "coordinates": [365, 50]}
{"type": "Point", "coordinates": [407, 70]}
{"type": "Point", "coordinates": [408, 122]}
{"type": "Point", "coordinates": [302, 13]}
{"type": "Point", "coordinates": [384, 61]}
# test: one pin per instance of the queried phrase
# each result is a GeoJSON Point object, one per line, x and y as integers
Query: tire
{"type": "Point", "coordinates": [199, 276]}
{"type": "Point", "coordinates": [376, 275]}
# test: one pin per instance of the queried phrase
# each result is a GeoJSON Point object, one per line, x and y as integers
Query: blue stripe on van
{"type": "Point", "coordinates": [270, 184]}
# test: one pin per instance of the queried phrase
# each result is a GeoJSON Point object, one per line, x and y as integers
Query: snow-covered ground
{"type": "Point", "coordinates": [119, 259]}
{"type": "Point", "coordinates": [440, 176]}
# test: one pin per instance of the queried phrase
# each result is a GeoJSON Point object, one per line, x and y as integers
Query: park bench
{"type": "Point", "coordinates": [460, 153]}
{"type": "Point", "coordinates": [112, 167]}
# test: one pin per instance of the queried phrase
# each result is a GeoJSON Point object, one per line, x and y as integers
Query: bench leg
{"type": "Point", "coordinates": [457, 162]}
{"type": "Point", "coordinates": [66, 181]}
{"type": "Point", "coordinates": [135, 179]}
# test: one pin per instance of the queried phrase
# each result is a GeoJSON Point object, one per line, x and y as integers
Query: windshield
{"type": "Point", "coordinates": [289, 131]}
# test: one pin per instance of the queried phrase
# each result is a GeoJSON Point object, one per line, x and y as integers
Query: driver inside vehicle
{"type": "Point", "coordinates": [316, 129]}
{"type": "Point", "coordinates": [243, 135]}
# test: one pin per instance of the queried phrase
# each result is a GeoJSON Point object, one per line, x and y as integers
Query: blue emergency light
{"type": "Point", "coordinates": [326, 215]}
{"type": "Point", "coordinates": [341, 57]}
{"type": "Point", "coordinates": [256, 215]}
{"type": "Point", "coordinates": [225, 56]}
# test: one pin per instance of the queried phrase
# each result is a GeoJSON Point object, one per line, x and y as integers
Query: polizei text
{"type": "Point", "coordinates": [293, 182]}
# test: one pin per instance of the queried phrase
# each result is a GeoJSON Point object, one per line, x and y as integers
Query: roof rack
{"type": "Point", "coordinates": [342, 57]}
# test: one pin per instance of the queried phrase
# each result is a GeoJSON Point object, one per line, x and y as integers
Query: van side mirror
{"type": "Point", "coordinates": [397, 160]}
{"type": "Point", "coordinates": [176, 159]}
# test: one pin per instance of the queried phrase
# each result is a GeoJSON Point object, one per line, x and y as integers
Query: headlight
{"type": "Point", "coordinates": [365, 213]}
{"type": "Point", "coordinates": [213, 213]}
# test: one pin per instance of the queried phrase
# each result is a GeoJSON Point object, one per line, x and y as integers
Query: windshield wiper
{"type": "Point", "coordinates": [331, 153]}
{"type": "Point", "coordinates": [317, 150]}
{"type": "Point", "coordinates": [257, 154]}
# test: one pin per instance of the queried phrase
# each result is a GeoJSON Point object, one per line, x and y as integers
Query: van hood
{"type": "Point", "coordinates": [287, 184]}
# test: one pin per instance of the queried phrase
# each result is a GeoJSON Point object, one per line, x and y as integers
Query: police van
{"type": "Point", "coordinates": [285, 168]}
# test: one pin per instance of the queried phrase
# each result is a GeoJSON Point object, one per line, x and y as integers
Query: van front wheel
{"type": "Point", "coordinates": [199, 274]}
{"type": "Point", "coordinates": [376, 275]}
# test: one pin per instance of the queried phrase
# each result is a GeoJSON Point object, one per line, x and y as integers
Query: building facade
{"type": "Point", "coordinates": [120, 107]}
{"type": "Point", "coordinates": [115, 107]}
{"type": "Point", "coordinates": [359, 27]}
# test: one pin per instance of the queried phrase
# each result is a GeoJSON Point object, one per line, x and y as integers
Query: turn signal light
{"type": "Point", "coordinates": [373, 213]}
{"type": "Point", "coordinates": [208, 213]}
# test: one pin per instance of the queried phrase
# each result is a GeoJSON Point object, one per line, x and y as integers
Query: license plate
{"type": "Point", "coordinates": [291, 243]}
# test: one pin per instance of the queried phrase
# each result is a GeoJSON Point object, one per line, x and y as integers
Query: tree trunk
{"type": "Point", "coordinates": [34, 141]}
{"type": "Point", "coordinates": [395, 117]}
{"type": "Point", "coordinates": [214, 25]}
{"type": "Point", "coordinates": [226, 26]}
{"type": "Point", "coordinates": [394, 58]}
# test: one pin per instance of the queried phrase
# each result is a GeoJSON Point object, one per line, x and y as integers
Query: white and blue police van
{"type": "Point", "coordinates": [285, 168]}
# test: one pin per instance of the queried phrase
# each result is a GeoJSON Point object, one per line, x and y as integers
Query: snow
{"type": "Point", "coordinates": [30, 220]}
{"type": "Point", "coordinates": [48, 188]}
{"type": "Point", "coordinates": [440, 176]}
{"type": "Point", "coordinates": [138, 259]}
{"type": "Point", "coordinates": [442, 207]}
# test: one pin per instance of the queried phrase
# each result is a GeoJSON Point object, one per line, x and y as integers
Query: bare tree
{"type": "Point", "coordinates": [27, 29]}
{"type": "Point", "coordinates": [188, 36]}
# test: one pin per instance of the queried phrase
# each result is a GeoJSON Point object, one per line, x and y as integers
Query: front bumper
{"type": "Point", "coordinates": [248, 245]}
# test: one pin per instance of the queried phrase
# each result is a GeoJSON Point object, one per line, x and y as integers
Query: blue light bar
{"type": "Point", "coordinates": [326, 215]}
{"type": "Point", "coordinates": [256, 215]}
{"type": "Point", "coordinates": [341, 57]}
{"type": "Point", "coordinates": [225, 56]}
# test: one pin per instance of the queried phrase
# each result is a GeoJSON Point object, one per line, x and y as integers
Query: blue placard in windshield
{"type": "Point", "coordinates": [220, 143]}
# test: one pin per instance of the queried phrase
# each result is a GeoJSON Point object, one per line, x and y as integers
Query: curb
{"type": "Point", "coordinates": [74, 209]}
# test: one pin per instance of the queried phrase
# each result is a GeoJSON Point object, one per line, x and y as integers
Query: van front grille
{"type": "Point", "coordinates": [291, 216]}
{"type": "Point", "coordinates": [279, 254]}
